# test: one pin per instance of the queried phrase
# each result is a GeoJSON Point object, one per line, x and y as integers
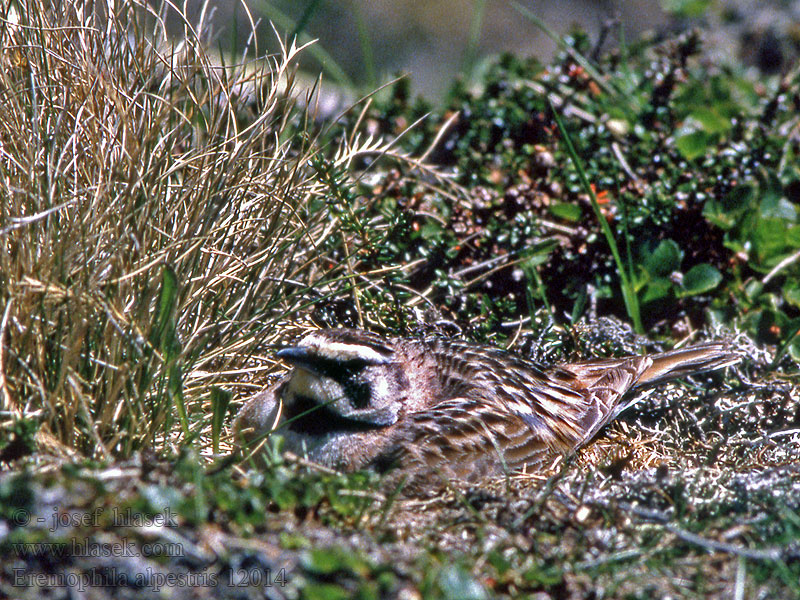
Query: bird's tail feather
{"type": "Point", "coordinates": [688, 361]}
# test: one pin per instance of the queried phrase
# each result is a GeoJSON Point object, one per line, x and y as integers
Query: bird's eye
{"type": "Point", "coordinates": [325, 366]}
{"type": "Point", "coordinates": [346, 373]}
{"type": "Point", "coordinates": [337, 369]}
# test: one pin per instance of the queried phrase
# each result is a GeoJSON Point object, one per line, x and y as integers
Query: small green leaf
{"type": "Point", "coordinates": [543, 575]}
{"type": "Point", "coordinates": [686, 8]}
{"type": "Point", "coordinates": [794, 350]}
{"type": "Point", "coordinates": [566, 211]}
{"type": "Point", "coordinates": [793, 236]}
{"type": "Point", "coordinates": [711, 120]}
{"type": "Point", "coordinates": [753, 289]}
{"type": "Point", "coordinates": [500, 563]}
{"type": "Point", "coordinates": [716, 214]}
{"type": "Point", "coordinates": [774, 206]}
{"type": "Point", "coordinates": [325, 561]}
{"type": "Point", "coordinates": [790, 342]}
{"type": "Point", "coordinates": [770, 243]}
{"type": "Point", "coordinates": [539, 254]}
{"type": "Point", "coordinates": [728, 211]}
{"type": "Point", "coordinates": [791, 293]}
{"type": "Point", "coordinates": [325, 591]}
{"type": "Point", "coordinates": [430, 231]}
{"type": "Point", "coordinates": [665, 259]}
{"type": "Point", "coordinates": [701, 278]}
{"type": "Point", "coordinates": [693, 145]}
{"type": "Point", "coordinates": [656, 289]}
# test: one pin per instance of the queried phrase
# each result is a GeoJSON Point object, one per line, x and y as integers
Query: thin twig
{"type": "Point", "coordinates": [623, 162]}
{"type": "Point", "coordinates": [781, 265]}
{"type": "Point", "coordinates": [18, 222]}
{"type": "Point", "coordinates": [303, 462]}
{"type": "Point", "coordinates": [772, 553]}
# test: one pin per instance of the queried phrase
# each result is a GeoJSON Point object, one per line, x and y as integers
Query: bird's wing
{"type": "Point", "coordinates": [497, 427]}
{"type": "Point", "coordinates": [604, 384]}
{"type": "Point", "coordinates": [463, 438]}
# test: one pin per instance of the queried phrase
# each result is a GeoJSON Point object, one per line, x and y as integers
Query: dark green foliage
{"type": "Point", "coordinates": [19, 440]}
{"type": "Point", "coordinates": [687, 160]}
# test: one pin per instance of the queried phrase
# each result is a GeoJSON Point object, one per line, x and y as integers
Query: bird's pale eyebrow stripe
{"type": "Point", "coordinates": [343, 352]}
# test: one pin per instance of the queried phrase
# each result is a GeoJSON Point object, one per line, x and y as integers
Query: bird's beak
{"type": "Point", "coordinates": [296, 355]}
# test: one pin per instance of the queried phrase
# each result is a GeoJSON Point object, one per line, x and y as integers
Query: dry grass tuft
{"type": "Point", "coordinates": [160, 216]}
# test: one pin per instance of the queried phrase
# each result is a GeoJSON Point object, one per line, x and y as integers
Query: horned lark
{"type": "Point", "coordinates": [438, 407]}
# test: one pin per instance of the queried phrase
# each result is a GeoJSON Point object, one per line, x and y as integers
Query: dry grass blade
{"type": "Point", "coordinates": [160, 214]}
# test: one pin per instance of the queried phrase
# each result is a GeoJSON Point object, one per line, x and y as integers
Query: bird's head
{"type": "Point", "coordinates": [348, 376]}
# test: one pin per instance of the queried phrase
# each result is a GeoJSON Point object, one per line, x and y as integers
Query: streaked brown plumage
{"type": "Point", "coordinates": [441, 407]}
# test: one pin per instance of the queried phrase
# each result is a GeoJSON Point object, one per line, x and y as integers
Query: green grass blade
{"type": "Point", "coordinates": [628, 293]}
{"type": "Point", "coordinates": [326, 61]}
{"type": "Point", "coordinates": [305, 18]}
{"type": "Point", "coordinates": [175, 394]}
{"type": "Point", "coordinates": [164, 337]}
{"type": "Point", "coordinates": [220, 400]}
{"type": "Point", "coordinates": [167, 302]}
{"type": "Point", "coordinates": [475, 27]}
{"type": "Point", "coordinates": [576, 56]}
{"type": "Point", "coordinates": [367, 55]}
{"type": "Point", "coordinates": [789, 334]}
